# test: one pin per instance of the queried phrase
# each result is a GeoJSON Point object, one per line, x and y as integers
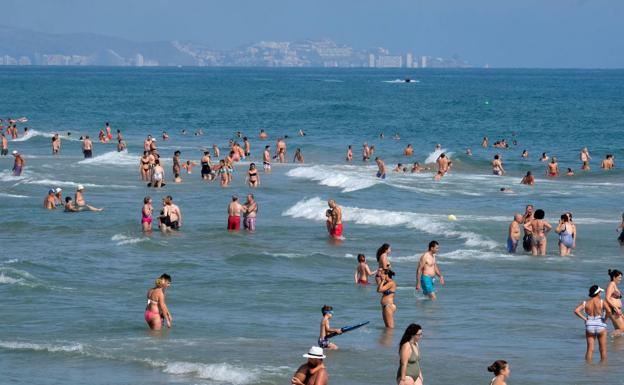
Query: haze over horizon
{"type": "Point", "coordinates": [529, 33]}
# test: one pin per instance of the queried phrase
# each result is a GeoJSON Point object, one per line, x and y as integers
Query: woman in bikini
{"type": "Point", "coordinates": [382, 260]}
{"type": "Point", "coordinates": [253, 179]}
{"type": "Point", "coordinates": [146, 215]}
{"type": "Point", "coordinates": [538, 228]}
{"type": "Point", "coordinates": [613, 295]}
{"type": "Point", "coordinates": [593, 311]}
{"type": "Point", "coordinates": [145, 166]}
{"type": "Point", "coordinates": [156, 309]}
{"type": "Point", "coordinates": [387, 288]}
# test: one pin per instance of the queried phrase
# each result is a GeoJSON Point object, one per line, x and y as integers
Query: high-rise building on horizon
{"type": "Point", "coordinates": [409, 60]}
{"type": "Point", "coordinates": [371, 60]}
{"type": "Point", "coordinates": [423, 62]}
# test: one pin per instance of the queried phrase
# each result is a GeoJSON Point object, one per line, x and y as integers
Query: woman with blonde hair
{"type": "Point", "coordinates": [157, 309]}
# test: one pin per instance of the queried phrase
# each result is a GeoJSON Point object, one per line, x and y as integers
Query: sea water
{"type": "Point", "coordinates": [246, 306]}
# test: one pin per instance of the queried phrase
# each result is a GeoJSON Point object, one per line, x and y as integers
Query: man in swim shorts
{"type": "Point", "coordinates": [18, 163]}
{"type": "Point", "coordinates": [266, 159]}
{"type": "Point", "coordinates": [323, 341]}
{"type": "Point", "coordinates": [335, 231]}
{"type": "Point", "coordinates": [5, 145]}
{"type": "Point", "coordinates": [87, 147]}
{"type": "Point", "coordinates": [381, 168]}
{"type": "Point", "coordinates": [251, 210]}
{"type": "Point", "coordinates": [427, 271]}
{"type": "Point", "coordinates": [514, 234]}
{"type": "Point", "coordinates": [528, 235]}
{"type": "Point", "coordinates": [234, 212]}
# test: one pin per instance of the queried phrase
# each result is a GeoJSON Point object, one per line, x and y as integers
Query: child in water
{"type": "Point", "coordinates": [326, 331]}
{"type": "Point", "coordinates": [362, 272]}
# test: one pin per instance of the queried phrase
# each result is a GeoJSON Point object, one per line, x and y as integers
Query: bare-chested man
{"type": "Point", "coordinates": [171, 216]}
{"type": "Point", "coordinates": [553, 168]}
{"type": "Point", "coordinates": [513, 236]}
{"type": "Point", "coordinates": [50, 201]}
{"type": "Point", "coordinates": [266, 159]}
{"type": "Point", "coordinates": [381, 168]}
{"type": "Point", "coordinates": [335, 230]}
{"type": "Point", "coordinates": [443, 165]}
{"type": "Point", "coordinates": [427, 270]}
{"type": "Point", "coordinates": [263, 135]}
{"type": "Point", "coordinates": [247, 146]}
{"type": "Point", "coordinates": [528, 179]}
{"type": "Point", "coordinates": [349, 154]}
{"type": "Point", "coordinates": [234, 212]}
{"type": "Point", "coordinates": [5, 145]}
{"type": "Point", "coordinates": [409, 150]}
{"type": "Point", "coordinates": [497, 166]}
{"type": "Point", "coordinates": [312, 372]}
{"type": "Point", "coordinates": [56, 144]}
{"type": "Point", "coordinates": [585, 158]}
{"type": "Point", "coordinates": [81, 204]}
{"type": "Point", "coordinates": [215, 151]}
{"type": "Point", "coordinates": [87, 147]}
{"type": "Point", "coordinates": [607, 163]}
{"type": "Point", "coordinates": [365, 152]}
{"type": "Point", "coordinates": [18, 163]}
{"type": "Point", "coordinates": [485, 142]}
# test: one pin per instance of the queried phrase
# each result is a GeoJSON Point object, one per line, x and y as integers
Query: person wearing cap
{"type": "Point", "coordinates": [87, 147]}
{"type": "Point", "coordinates": [80, 202]}
{"type": "Point", "coordinates": [234, 212]}
{"type": "Point", "coordinates": [49, 202]}
{"type": "Point", "coordinates": [18, 163]}
{"type": "Point", "coordinates": [323, 341]}
{"type": "Point", "coordinates": [594, 312]}
{"type": "Point", "coordinates": [58, 196]}
{"type": "Point", "coordinates": [312, 372]}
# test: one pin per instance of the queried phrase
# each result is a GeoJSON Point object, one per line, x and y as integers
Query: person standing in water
{"type": "Point", "coordinates": [620, 229]}
{"type": "Point", "coordinates": [381, 168]}
{"type": "Point", "coordinates": [528, 179]}
{"type": "Point", "coordinates": [566, 231]}
{"type": "Point", "coordinates": [383, 261]}
{"type": "Point", "coordinates": [362, 272]}
{"type": "Point", "coordinates": [298, 156]}
{"type": "Point", "coordinates": [585, 158]}
{"type": "Point", "coordinates": [501, 372]}
{"type": "Point", "coordinates": [250, 213]}
{"type": "Point", "coordinates": [349, 154]}
{"type": "Point", "coordinates": [156, 310]}
{"type": "Point", "coordinates": [428, 270]}
{"type": "Point", "coordinates": [234, 211]}
{"type": "Point", "coordinates": [514, 234]}
{"type": "Point", "coordinates": [409, 372]}
{"type": "Point", "coordinates": [497, 166]}
{"type": "Point", "coordinates": [553, 168]}
{"type": "Point", "coordinates": [56, 144]}
{"type": "Point", "coordinates": [484, 142]}
{"type": "Point", "coordinates": [312, 372]}
{"type": "Point", "coordinates": [387, 288]}
{"type": "Point", "coordinates": [170, 216]}
{"type": "Point", "coordinates": [87, 147]}
{"type": "Point", "coordinates": [594, 311]}
{"type": "Point", "coordinates": [266, 159]}
{"type": "Point", "coordinates": [5, 145]}
{"type": "Point", "coordinates": [335, 230]}
{"type": "Point", "coordinates": [539, 228]}
{"type": "Point", "coordinates": [253, 179]}
{"type": "Point", "coordinates": [527, 240]}
{"type": "Point", "coordinates": [323, 341]}
{"type": "Point", "coordinates": [18, 163]}
{"type": "Point", "coordinates": [613, 296]}
{"type": "Point", "coordinates": [146, 215]}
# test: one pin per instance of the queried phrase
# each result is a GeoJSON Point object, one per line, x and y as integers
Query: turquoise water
{"type": "Point", "coordinates": [246, 306]}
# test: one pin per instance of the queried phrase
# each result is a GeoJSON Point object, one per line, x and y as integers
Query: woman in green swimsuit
{"type": "Point", "coordinates": [409, 369]}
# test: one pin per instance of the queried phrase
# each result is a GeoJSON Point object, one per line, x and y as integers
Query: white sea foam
{"type": "Point", "coordinates": [314, 209]}
{"type": "Point", "coordinates": [433, 157]}
{"type": "Point", "coordinates": [122, 239]}
{"type": "Point", "coordinates": [401, 81]}
{"type": "Point", "coordinates": [12, 195]}
{"type": "Point", "coordinates": [348, 178]}
{"type": "Point", "coordinates": [113, 157]}
{"type": "Point", "coordinates": [217, 372]}
{"type": "Point", "coordinates": [32, 134]}
{"type": "Point", "coordinates": [16, 345]}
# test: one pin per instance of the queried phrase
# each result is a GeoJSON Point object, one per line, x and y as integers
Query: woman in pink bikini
{"type": "Point", "coordinates": [146, 215]}
{"type": "Point", "coordinates": [613, 296]}
{"type": "Point", "coordinates": [156, 309]}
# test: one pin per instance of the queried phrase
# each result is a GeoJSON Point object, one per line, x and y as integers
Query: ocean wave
{"type": "Point", "coordinates": [6, 195]}
{"type": "Point", "coordinates": [113, 157]}
{"type": "Point", "coordinates": [122, 239]}
{"type": "Point", "coordinates": [11, 276]}
{"type": "Point", "coordinates": [348, 178]}
{"type": "Point", "coordinates": [15, 345]}
{"type": "Point", "coordinates": [314, 209]}
{"type": "Point", "coordinates": [401, 81]}
{"type": "Point", "coordinates": [32, 134]}
{"type": "Point", "coordinates": [217, 372]}
{"type": "Point", "coordinates": [433, 156]}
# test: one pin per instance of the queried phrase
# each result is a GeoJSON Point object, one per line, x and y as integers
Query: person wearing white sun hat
{"type": "Point", "coordinates": [18, 163]}
{"type": "Point", "coordinates": [312, 372]}
{"type": "Point", "coordinates": [80, 202]}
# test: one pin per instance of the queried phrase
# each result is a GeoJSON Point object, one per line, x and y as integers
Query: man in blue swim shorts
{"type": "Point", "coordinates": [427, 271]}
{"type": "Point", "coordinates": [381, 168]}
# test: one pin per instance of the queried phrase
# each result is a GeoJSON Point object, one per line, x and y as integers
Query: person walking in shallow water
{"type": "Point", "coordinates": [613, 296]}
{"type": "Point", "coordinates": [594, 312]}
{"type": "Point", "coordinates": [387, 288]}
{"type": "Point", "coordinates": [501, 372]}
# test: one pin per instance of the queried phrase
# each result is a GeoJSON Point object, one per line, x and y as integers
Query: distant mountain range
{"type": "Point", "coordinates": [26, 47]}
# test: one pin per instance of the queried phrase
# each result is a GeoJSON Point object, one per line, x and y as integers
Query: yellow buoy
{"type": "Point", "coordinates": [452, 217]}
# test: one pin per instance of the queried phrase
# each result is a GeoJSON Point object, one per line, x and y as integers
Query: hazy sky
{"type": "Point", "coordinates": [503, 33]}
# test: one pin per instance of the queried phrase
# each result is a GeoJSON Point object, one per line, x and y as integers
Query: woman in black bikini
{"type": "Point", "coordinates": [145, 166]}
{"type": "Point", "coordinates": [253, 179]}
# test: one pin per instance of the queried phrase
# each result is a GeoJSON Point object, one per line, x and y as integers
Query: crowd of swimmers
{"type": "Point", "coordinates": [531, 228]}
